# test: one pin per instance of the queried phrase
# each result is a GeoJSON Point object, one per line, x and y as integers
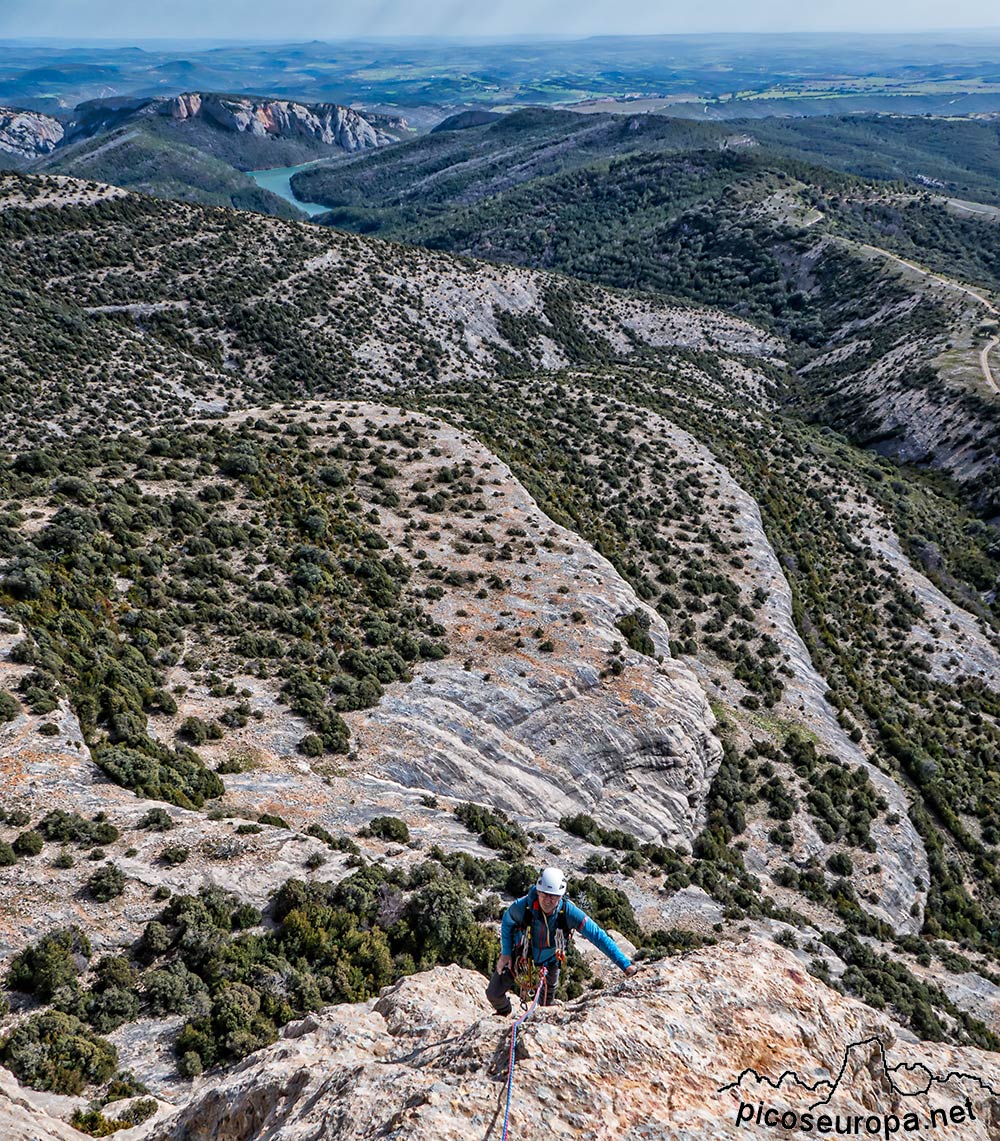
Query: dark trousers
{"type": "Point", "coordinates": [501, 984]}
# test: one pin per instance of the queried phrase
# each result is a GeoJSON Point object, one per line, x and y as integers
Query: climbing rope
{"type": "Point", "coordinates": [513, 1046]}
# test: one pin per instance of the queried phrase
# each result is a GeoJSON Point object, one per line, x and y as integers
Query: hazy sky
{"type": "Point", "coordinates": [325, 19]}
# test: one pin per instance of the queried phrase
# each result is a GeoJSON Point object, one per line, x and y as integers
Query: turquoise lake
{"type": "Point", "coordinates": [278, 181]}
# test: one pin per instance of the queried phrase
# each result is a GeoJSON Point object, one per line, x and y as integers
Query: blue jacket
{"type": "Point", "coordinates": [543, 930]}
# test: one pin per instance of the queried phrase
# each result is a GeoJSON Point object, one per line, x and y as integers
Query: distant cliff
{"type": "Point", "coordinates": [28, 134]}
{"type": "Point", "coordinates": [327, 123]}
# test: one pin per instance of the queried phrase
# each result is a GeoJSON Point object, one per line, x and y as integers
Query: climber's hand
{"type": "Point", "coordinates": [503, 964]}
{"type": "Point", "coordinates": [632, 970]}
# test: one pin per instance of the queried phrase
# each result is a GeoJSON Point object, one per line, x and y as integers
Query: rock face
{"type": "Point", "coordinates": [688, 1049]}
{"type": "Point", "coordinates": [28, 134]}
{"type": "Point", "coordinates": [525, 713]}
{"type": "Point", "coordinates": [327, 123]}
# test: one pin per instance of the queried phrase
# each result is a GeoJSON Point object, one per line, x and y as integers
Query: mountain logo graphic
{"type": "Point", "coordinates": [901, 1080]}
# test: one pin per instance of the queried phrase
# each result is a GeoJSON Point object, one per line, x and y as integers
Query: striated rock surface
{"type": "Point", "coordinates": [28, 134]}
{"type": "Point", "coordinates": [524, 714]}
{"type": "Point", "coordinates": [672, 1053]}
{"type": "Point", "coordinates": [328, 123]}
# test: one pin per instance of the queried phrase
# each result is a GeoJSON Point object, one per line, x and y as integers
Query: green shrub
{"type": "Point", "coordinates": [94, 1122]}
{"type": "Point", "coordinates": [495, 828]}
{"type": "Point", "coordinates": [56, 1052]}
{"type": "Point", "coordinates": [10, 707]}
{"type": "Point", "coordinates": [635, 627]}
{"type": "Point", "coordinates": [177, 776]}
{"type": "Point", "coordinates": [159, 819]}
{"type": "Point", "coordinates": [311, 745]}
{"type": "Point", "coordinates": [111, 1007]}
{"type": "Point", "coordinates": [156, 938]}
{"type": "Point", "coordinates": [53, 961]}
{"type": "Point", "coordinates": [139, 1111]}
{"type": "Point", "coordinates": [607, 906]}
{"type": "Point", "coordinates": [587, 828]}
{"type": "Point", "coordinates": [444, 928]}
{"type": "Point", "coordinates": [7, 855]}
{"type": "Point", "coordinates": [234, 1028]}
{"type": "Point", "coordinates": [173, 990]}
{"type": "Point", "coordinates": [106, 883]}
{"type": "Point", "coordinates": [124, 1084]}
{"type": "Point", "coordinates": [114, 971]}
{"type": "Point", "coordinates": [194, 730]}
{"type": "Point", "coordinates": [336, 843]}
{"type": "Point", "coordinates": [389, 828]}
{"type": "Point", "coordinates": [189, 1064]}
{"type": "Point", "coordinates": [28, 844]}
{"type": "Point", "coordinates": [333, 942]}
{"type": "Point", "coordinates": [65, 827]}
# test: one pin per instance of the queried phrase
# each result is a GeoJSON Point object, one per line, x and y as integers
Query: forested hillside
{"type": "Point", "coordinates": [346, 582]}
{"type": "Point", "coordinates": [744, 228]}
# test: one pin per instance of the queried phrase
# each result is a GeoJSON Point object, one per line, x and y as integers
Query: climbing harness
{"type": "Point", "coordinates": [524, 966]}
{"type": "Point", "coordinates": [513, 1047]}
{"type": "Point", "coordinates": [563, 933]}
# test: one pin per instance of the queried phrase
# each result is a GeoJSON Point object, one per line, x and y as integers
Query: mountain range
{"type": "Point", "coordinates": [613, 491]}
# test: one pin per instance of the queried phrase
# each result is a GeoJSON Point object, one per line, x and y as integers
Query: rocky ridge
{"type": "Point", "coordinates": [541, 732]}
{"type": "Point", "coordinates": [328, 123]}
{"type": "Point", "coordinates": [690, 1049]}
{"type": "Point", "coordinates": [344, 307]}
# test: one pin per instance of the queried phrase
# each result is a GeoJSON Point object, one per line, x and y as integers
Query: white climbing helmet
{"type": "Point", "coordinates": [552, 882]}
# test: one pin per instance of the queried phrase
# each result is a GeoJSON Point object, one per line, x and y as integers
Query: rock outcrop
{"type": "Point", "coordinates": [26, 1116]}
{"type": "Point", "coordinates": [539, 725]}
{"type": "Point", "coordinates": [327, 123]}
{"type": "Point", "coordinates": [690, 1048]}
{"type": "Point", "coordinates": [726, 1041]}
{"type": "Point", "coordinates": [28, 134]}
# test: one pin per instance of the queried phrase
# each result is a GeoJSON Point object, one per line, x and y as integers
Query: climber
{"type": "Point", "coordinates": [538, 927]}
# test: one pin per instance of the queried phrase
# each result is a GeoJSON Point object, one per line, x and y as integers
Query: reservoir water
{"type": "Point", "coordinates": [278, 181]}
